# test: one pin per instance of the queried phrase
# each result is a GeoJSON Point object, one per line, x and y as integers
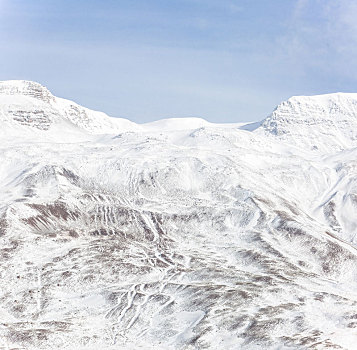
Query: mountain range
{"type": "Point", "coordinates": [180, 233]}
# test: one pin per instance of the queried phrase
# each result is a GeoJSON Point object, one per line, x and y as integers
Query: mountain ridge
{"type": "Point", "coordinates": [293, 121]}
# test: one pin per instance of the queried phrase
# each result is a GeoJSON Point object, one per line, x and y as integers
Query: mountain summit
{"type": "Point", "coordinates": [31, 104]}
{"type": "Point", "coordinates": [323, 122]}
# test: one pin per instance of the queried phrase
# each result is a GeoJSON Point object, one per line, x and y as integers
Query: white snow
{"type": "Point", "coordinates": [177, 234]}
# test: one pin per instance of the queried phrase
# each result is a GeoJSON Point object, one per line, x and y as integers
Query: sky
{"type": "Point", "coordinates": [222, 60]}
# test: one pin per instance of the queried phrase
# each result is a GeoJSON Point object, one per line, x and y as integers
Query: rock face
{"type": "Point", "coordinates": [176, 234]}
{"type": "Point", "coordinates": [31, 104]}
{"type": "Point", "coordinates": [23, 88]}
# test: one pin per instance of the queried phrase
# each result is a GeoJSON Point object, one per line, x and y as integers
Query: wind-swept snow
{"type": "Point", "coordinates": [177, 234]}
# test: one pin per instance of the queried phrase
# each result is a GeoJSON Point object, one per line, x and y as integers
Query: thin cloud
{"type": "Point", "coordinates": [299, 8]}
{"type": "Point", "coordinates": [321, 38]}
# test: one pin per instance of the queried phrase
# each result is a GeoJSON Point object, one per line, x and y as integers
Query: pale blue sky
{"type": "Point", "coordinates": [223, 60]}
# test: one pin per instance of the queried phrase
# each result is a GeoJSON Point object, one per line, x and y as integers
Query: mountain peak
{"type": "Point", "coordinates": [26, 88]}
{"type": "Point", "coordinates": [321, 122]}
{"type": "Point", "coordinates": [30, 104]}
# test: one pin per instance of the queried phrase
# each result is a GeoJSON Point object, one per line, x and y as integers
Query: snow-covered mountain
{"type": "Point", "coordinates": [177, 234]}
{"type": "Point", "coordinates": [324, 123]}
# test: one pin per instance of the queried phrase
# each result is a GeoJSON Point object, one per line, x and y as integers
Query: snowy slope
{"type": "Point", "coordinates": [177, 234]}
